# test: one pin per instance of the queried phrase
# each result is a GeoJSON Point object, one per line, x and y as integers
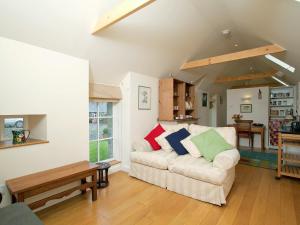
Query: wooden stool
{"type": "Point", "coordinates": [103, 174]}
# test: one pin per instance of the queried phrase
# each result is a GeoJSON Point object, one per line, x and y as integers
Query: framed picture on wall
{"type": "Point", "coordinates": [246, 108]}
{"type": "Point", "coordinates": [144, 98]}
{"type": "Point", "coordinates": [204, 99]}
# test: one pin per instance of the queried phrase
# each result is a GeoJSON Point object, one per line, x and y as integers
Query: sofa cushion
{"type": "Point", "coordinates": [141, 146]}
{"type": "Point", "coordinates": [210, 143]}
{"type": "Point", "coordinates": [163, 142]}
{"type": "Point", "coordinates": [226, 160]}
{"type": "Point", "coordinates": [191, 147]}
{"type": "Point", "coordinates": [155, 132]}
{"type": "Point", "coordinates": [175, 138]}
{"type": "Point", "coordinates": [197, 168]}
{"type": "Point", "coordinates": [228, 133]}
{"type": "Point", "coordinates": [157, 159]}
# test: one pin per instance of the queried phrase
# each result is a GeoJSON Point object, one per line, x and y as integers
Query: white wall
{"type": "Point", "coordinates": [39, 81]}
{"type": "Point", "coordinates": [136, 123]}
{"type": "Point", "coordinates": [298, 98]}
{"type": "Point", "coordinates": [207, 116]}
{"type": "Point", "coordinates": [222, 110]}
{"type": "Point", "coordinates": [203, 112]}
{"type": "Point", "coordinates": [260, 109]}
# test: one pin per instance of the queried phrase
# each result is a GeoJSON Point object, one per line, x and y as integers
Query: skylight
{"type": "Point", "coordinates": [280, 81]}
{"type": "Point", "coordinates": [280, 63]}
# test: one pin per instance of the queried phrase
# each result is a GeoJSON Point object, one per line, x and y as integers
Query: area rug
{"type": "Point", "coordinates": [259, 159]}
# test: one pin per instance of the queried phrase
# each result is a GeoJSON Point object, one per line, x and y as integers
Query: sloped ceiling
{"type": "Point", "coordinates": [159, 38]}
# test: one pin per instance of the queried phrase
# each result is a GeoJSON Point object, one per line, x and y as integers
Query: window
{"type": "Point", "coordinates": [12, 124]}
{"type": "Point", "coordinates": [101, 131]}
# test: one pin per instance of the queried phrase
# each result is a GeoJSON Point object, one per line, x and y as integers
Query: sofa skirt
{"type": "Point", "coordinates": [149, 174]}
{"type": "Point", "coordinates": [207, 192]}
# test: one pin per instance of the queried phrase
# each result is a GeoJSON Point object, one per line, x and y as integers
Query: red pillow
{"type": "Point", "coordinates": [155, 132]}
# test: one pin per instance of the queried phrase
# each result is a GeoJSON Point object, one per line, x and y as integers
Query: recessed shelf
{"type": "Point", "coordinates": [283, 98]}
{"type": "Point", "coordinates": [281, 106]}
{"type": "Point", "coordinates": [9, 144]}
{"type": "Point", "coordinates": [35, 123]}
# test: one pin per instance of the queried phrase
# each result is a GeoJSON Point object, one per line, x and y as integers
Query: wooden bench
{"type": "Point", "coordinates": [37, 183]}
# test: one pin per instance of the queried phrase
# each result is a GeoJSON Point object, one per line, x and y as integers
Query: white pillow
{"type": "Point", "coordinates": [142, 146]}
{"type": "Point", "coordinates": [191, 147]}
{"type": "Point", "coordinates": [174, 127]}
{"type": "Point", "coordinates": [163, 142]}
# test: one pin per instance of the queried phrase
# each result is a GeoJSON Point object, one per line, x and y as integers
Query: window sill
{"type": "Point", "coordinates": [9, 144]}
{"type": "Point", "coordinates": [114, 162]}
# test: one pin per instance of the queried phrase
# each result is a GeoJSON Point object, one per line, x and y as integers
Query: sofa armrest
{"type": "Point", "coordinates": [227, 159]}
{"type": "Point", "coordinates": [141, 146]}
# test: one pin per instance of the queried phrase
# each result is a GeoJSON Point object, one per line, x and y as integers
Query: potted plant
{"type": "Point", "coordinates": [237, 117]}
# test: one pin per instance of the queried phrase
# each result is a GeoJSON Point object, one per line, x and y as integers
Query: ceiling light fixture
{"type": "Point", "coordinates": [280, 63]}
{"type": "Point", "coordinates": [280, 81]}
{"type": "Point", "coordinates": [226, 33]}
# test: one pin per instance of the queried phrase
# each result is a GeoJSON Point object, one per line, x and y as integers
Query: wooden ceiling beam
{"type": "Point", "coordinates": [268, 49]}
{"type": "Point", "coordinates": [255, 85]}
{"type": "Point", "coordinates": [121, 11]}
{"type": "Point", "coordinates": [251, 76]}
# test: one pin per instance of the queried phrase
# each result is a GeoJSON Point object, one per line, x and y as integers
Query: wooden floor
{"type": "Point", "coordinates": [256, 198]}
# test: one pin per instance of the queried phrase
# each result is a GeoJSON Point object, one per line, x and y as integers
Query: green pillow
{"type": "Point", "coordinates": [210, 143]}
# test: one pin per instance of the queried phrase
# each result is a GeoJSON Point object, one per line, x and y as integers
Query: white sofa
{"type": "Point", "coordinates": [187, 175]}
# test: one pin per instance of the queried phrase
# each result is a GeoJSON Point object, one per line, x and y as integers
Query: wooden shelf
{"type": "Point", "coordinates": [283, 98]}
{"type": "Point", "coordinates": [188, 119]}
{"type": "Point", "coordinates": [291, 171]}
{"type": "Point", "coordinates": [9, 144]}
{"type": "Point", "coordinates": [290, 138]}
{"type": "Point", "coordinates": [293, 158]}
{"type": "Point", "coordinates": [283, 168]}
{"type": "Point", "coordinates": [173, 92]}
{"type": "Point", "coordinates": [291, 143]}
{"type": "Point", "coordinates": [282, 106]}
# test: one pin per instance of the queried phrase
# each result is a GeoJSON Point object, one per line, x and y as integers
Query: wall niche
{"type": "Point", "coordinates": [36, 124]}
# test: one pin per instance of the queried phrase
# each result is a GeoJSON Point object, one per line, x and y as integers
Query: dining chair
{"type": "Point", "coordinates": [243, 130]}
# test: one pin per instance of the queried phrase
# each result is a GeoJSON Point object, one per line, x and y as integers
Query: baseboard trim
{"type": "Point", "coordinates": [125, 168]}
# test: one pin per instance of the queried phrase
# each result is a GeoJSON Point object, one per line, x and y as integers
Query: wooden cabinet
{"type": "Point", "coordinates": [176, 100]}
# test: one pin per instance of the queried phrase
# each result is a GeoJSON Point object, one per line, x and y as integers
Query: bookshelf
{"type": "Point", "coordinates": [282, 103]}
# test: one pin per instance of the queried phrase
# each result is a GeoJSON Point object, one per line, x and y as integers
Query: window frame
{"type": "Point", "coordinates": [98, 139]}
{"type": "Point", "coordinates": [2, 123]}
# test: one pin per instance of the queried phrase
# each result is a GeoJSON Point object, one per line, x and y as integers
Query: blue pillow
{"type": "Point", "coordinates": [175, 138]}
